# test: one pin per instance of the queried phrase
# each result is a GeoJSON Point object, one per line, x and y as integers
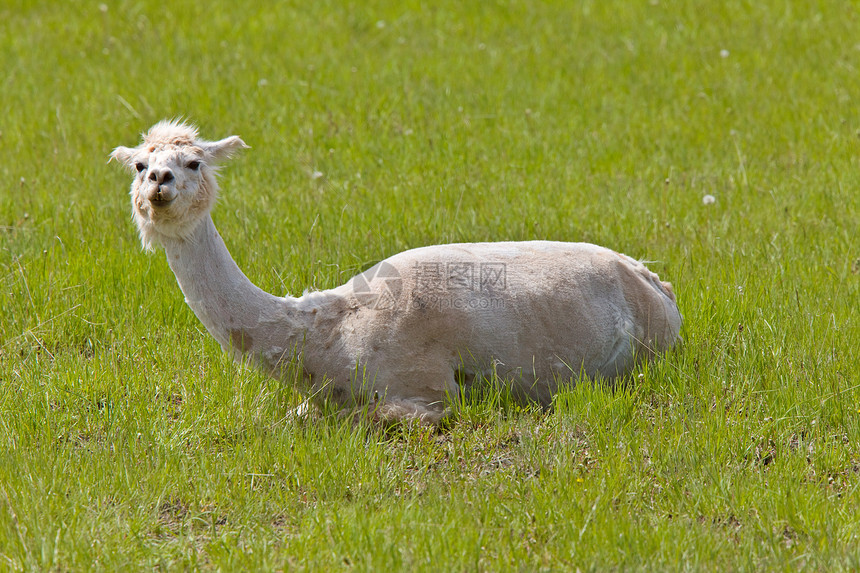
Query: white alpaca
{"type": "Point", "coordinates": [403, 336]}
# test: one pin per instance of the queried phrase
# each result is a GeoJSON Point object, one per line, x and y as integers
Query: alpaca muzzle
{"type": "Point", "coordinates": [162, 191]}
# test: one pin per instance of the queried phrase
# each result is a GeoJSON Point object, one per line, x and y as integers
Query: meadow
{"type": "Point", "coordinates": [129, 441]}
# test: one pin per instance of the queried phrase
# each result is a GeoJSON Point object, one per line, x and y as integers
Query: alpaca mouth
{"type": "Point", "coordinates": [160, 202]}
{"type": "Point", "coordinates": [160, 198]}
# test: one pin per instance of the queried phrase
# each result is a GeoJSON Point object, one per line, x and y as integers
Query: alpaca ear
{"type": "Point", "coordinates": [123, 155]}
{"type": "Point", "coordinates": [223, 149]}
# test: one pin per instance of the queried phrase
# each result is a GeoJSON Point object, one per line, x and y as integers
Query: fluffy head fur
{"type": "Point", "coordinates": [175, 183]}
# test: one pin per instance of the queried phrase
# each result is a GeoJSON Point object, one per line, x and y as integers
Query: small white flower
{"type": "Point", "coordinates": [709, 200]}
{"type": "Point", "coordinates": [316, 175]}
{"type": "Point", "coordinates": [724, 53]}
{"type": "Point", "coordinates": [380, 24]}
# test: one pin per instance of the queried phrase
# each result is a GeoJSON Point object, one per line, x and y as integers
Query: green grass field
{"type": "Point", "coordinates": [128, 441]}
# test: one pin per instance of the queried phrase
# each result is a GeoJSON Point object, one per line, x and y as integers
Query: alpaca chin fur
{"type": "Point", "coordinates": [153, 234]}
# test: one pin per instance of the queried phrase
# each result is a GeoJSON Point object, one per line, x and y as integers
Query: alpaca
{"type": "Point", "coordinates": [404, 337]}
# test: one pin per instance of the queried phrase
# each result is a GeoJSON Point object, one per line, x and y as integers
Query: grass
{"type": "Point", "coordinates": [128, 441]}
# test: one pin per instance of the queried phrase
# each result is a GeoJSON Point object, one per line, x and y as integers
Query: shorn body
{"type": "Point", "coordinates": [401, 338]}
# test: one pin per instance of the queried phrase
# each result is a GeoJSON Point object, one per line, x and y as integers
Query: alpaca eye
{"type": "Point", "coordinates": [139, 166]}
{"type": "Point", "coordinates": [193, 165]}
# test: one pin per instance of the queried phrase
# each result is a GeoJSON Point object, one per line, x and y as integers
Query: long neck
{"type": "Point", "coordinates": [243, 318]}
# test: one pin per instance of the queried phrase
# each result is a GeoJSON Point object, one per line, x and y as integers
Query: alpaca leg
{"type": "Point", "coordinates": [424, 398]}
{"type": "Point", "coordinates": [398, 411]}
{"type": "Point", "coordinates": [409, 410]}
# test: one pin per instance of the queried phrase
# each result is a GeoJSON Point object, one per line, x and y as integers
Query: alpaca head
{"type": "Point", "coordinates": [174, 184]}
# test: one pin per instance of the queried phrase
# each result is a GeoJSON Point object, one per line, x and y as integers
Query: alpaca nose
{"type": "Point", "coordinates": [161, 176]}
